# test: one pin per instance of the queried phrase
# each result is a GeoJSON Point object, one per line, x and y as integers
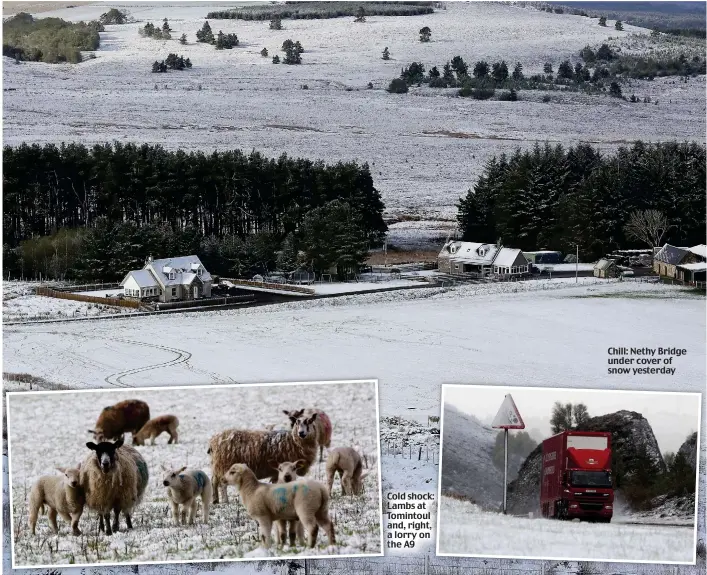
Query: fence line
{"type": "Point", "coordinates": [419, 452]}
{"type": "Point", "coordinates": [116, 302]}
{"type": "Point", "coordinates": [269, 285]}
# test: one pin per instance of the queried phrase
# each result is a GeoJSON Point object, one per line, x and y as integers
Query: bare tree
{"type": "Point", "coordinates": [561, 419]}
{"type": "Point", "coordinates": [580, 414]}
{"type": "Point", "coordinates": [647, 226]}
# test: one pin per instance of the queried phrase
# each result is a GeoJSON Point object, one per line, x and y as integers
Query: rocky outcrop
{"type": "Point", "coordinates": [689, 450]}
{"type": "Point", "coordinates": [633, 443]}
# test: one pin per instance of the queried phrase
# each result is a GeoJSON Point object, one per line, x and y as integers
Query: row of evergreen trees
{"type": "Point", "coordinates": [221, 41]}
{"type": "Point", "coordinates": [556, 198]}
{"type": "Point", "coordinates": [172, 62]}
{"type": "Point", "coordinates": [222, 194]}
{"type": "Point", "coordinates": [329, 236]}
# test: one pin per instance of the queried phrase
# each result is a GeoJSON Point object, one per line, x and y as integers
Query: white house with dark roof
{"type": "Point", "coordinates": [668, 261]}
{"type": "Point", "coordinates": [169, 279]}
{"type": "Point", "coordinates": [460, 258]}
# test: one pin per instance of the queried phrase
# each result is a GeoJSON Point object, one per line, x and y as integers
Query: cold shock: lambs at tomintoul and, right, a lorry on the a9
{"type": "Point", "coordinates": [576, 477]}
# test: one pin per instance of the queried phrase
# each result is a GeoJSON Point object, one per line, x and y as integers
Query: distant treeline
{"type": "Point", "coordinates": [50, 40]}
{"type": "Point", "coordinates": [317, 10]}
{"type": "Point", "coordinates": [48, 188]}
{"type": "Point", "coordinates": [556, 198]}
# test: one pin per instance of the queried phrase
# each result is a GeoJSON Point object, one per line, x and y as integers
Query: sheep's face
{"type": "Point", "coordinates": [71, 476]}
{"type": "Point", "coordinates": [287, 471]}
{"type": "Point", "coordinates": [173, 478]}
{"type": "Point", "coordinates": [105, 453]}
{"type": "Point", "coordinates": [234, 476]}
{"type": "Point", "coordinates": [304, 427]}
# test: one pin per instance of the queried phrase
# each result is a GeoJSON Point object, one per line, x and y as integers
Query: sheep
{"type": "Point", "coordinates": [155, 427]}
{"type": "Point", "coordinates": [323, 425]}
{"type": "Point", "coordinates": [115, 420]}
{"type": "Point", "coordinates": [347, 462]}
{"type": "Point", "coordinates": [287, 473]}
{"type": "Point", "coordinates": [303, 500]}
{"type": "Point", "coordinates": [260, 450]}
{"type": "Point", "coordinates": [114, 477]}
{"type": "Point", "coordinates": [62, 494]}
{"type": "Point", "coordinates": [183, 488]}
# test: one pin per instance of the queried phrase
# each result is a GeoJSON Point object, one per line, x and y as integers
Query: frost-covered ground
{"type": "Point", "coordinates": [425, 148]}
{"type": "Point", "coordinates": [357, 287]}
{"type": "Point", "coordinates": [36, 450]}
{"type": "Point", "coordinates": [464, 529]}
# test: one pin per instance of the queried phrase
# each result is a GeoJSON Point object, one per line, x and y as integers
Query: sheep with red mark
{"type": "Point", "coordinates": [123, 417]}
{"type": "Point", "coordinates": [260, 450]}
{"type": "Point", "coordinates": [322, 423]}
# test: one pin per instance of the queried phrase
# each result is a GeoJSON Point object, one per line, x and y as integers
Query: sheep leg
{"type": "Point", "coordinates": [175, 512]}
{"type": "Point", "coordinates": [172, 436]}
{"type": "Point", "coordinates": [323, 520]}
{"type": "Point", "coordinates": [299, 528]}
{"type": "Point", "coordinates": [52, 520]}
{"type": "Point", "coordinates": [206, 497]}
{"type": "Point", "coordinates": [152, 439]}
{"type": "Point", "coordinates": [215, 483]}
{"type": "Point", "coordinates": [106, 518]}
{"type": "Point", "coordinates": [321, 453]}
{"type": "Point", "coordinates": [265, 525]}
{"type": "Point", "coordinates": [100, 522]}
{"type": "Point", "coordinates": [346, 485]}
{"type": "Point", "coordinates": [281, 531]}
{"type": "Point", "coordinates": [356, 481]}
{"type": "Point", "coordinates": [224, 492]}
{"type": "Point", "coordinates": [33, 511]}
{"type": "Point", "coordinates": [310, 524]}
{"type": "Point", "coordinates": [192, 510]}
{"type": "Point", "coordinates": [184, 514]}
{"type": "Point", "coordinates": [75, 523]}
{"type": "Point", "coordinates": [330, 474]}
{"type": "Point", "coordinates": [116, 520]}
{"type": "Point", "coordinates": [129, 520]}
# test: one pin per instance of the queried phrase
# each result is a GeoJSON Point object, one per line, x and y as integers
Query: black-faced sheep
{"type": "Point", "coordinates": [287, 473]}
{"type": "Point", "coordinates": [155, 427]}
{"type": "Point", "coordinates": [62, 494]}
{"type": "Point", "coordinates": [347, 462]}
{"type": "Point", "coordinates": [123, 417]}
{"type": "Point", "coordinates": [305, 500]}
{"type": "Point", "coordinates": [113, 477]}
{"type": "Point", "coordinates": [184, 486]}
{"type": "Point", "coordinates": [322, 423]}
{"type": "Point", "coordinates": [261, 450]}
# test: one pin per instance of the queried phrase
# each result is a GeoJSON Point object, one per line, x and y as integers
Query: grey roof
{"type": "Point", "coordinates": [143, 278]}
{"type": "Point", "coordinates": [700, 250]}
{"type": "Point", "coordinates": [184, 268]}
{"type": "Point", "coordinates": [604, 264]}
{"type": "Point", "coordinates": [670, 254]}
{"type": "Point", "coordinates": [481, 254]}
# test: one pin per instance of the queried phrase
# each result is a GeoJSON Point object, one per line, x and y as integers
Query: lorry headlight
{"type": "Point", "coordinates": [573, 506]}
{"type": "Point", "coordinates": [608, 507]}
{"type": "Point", "coordinates": [567, 491]}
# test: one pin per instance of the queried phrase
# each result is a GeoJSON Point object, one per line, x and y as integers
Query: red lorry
{"type": "Point", "coordinates": [576, 476]}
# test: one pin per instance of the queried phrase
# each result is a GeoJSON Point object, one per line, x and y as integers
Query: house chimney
{"type": "Point", "coordinates": [148, 260]}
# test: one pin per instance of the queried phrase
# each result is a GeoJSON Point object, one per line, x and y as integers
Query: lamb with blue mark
{"type": "Point", "coordinates": [184, 487]}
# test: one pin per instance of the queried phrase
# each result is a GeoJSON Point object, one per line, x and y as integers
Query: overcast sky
{"type": "Point", "coordinates": [673, 416]}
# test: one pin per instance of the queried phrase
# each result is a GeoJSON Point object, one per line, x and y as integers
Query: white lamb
{"type": "Point", "coordinates": [184, 486]}
{"type": "Point", "coordinates": [62, 494]}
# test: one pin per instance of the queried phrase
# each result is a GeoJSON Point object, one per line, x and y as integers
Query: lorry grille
{"type": "Point", "coordinates": [586, 506]}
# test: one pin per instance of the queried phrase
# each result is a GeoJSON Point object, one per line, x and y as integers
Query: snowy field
{"type": "Point", "coordinates": [466, 530]}
{"type": "Point", "coordinates": [36, 450]}
{"type": "Point", "coordinates": [358, 287]}
{"type": "Point", "coordinates": [247, 102]}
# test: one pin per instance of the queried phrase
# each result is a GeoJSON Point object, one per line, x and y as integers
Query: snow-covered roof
{"type": "Point", "coordinates": [143, 278]}
{"type": "Point", "coordinates": [696, 267]}
{"type": "Point", "coordinates": [700, 250]}
{"type": "Point", "coordinates": [670, 254]}
{"type": "Point", "coordinates": [480, 254]}
{"type": "Point", "coordinates": [604, 264]}
{"type": "Point", "coordinates": [184, 268]}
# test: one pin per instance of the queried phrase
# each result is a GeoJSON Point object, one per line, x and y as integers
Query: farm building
{"type": "Point", "coordinates": [170, 279]}
{"type": "Point", "coordinates": [606, 268]}
{"type": "Point", "coordinates": [692, 273]}
{"type": "Point", "coordinates": [668, 258]}
{"type": "Point", "coordinates": [481, 260]}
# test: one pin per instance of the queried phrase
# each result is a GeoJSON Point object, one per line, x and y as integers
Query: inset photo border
{"type": "Point", "coordinates": [79, 451]}
{"type": "Point", "coordinates": [592, 475]}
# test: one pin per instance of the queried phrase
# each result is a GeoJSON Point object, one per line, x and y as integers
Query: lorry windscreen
{"type": "Point", "coordinates": [591, 479]}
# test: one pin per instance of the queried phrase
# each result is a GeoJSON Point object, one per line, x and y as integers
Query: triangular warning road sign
{"type": "Point", "coordinates": [508, 417]}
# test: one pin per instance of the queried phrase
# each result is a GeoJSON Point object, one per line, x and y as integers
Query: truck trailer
{"type": "Point", "coordinates": [576, 477]}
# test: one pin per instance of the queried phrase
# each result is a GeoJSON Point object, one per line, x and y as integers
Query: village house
{"type": "Point", "coordinates": [170, 279]}
{"type": "Point", "coordinates": [481, 260]}
{"type": "Point", "coordinates": [606, 268]}
{"type": "Point", "coordinates": [668, 260]}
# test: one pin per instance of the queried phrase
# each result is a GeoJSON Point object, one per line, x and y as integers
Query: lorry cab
{"type": "Point", "coordinates": [576, 478]}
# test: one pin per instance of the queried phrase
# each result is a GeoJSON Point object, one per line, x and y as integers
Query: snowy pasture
{"type": "Point", "coordinates": [60, 441]}
{"type": "Point", "coordinates": [464, 529]}
{"type": "Point", "coordinates": [425, 148]}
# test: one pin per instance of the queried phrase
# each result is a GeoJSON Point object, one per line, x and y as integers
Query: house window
{"type": "Point", "coordinates": [171, 275]}
{"type": "Point", "coordinates": [456, 266]}
{"type": "Point", "coordinates": [174, 292]}
{"type": "Point", "coordinates": [198, 272]}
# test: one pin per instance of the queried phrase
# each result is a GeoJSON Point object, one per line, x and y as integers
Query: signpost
{"type": "Point", "coordinates": [508, 417]}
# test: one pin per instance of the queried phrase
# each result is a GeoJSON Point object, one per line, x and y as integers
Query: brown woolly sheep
{"type": "Point", "coordinates": [113, 477]}
{"type": "Point", "coordinates": [155, 427]}
{"type": "Point", "coordinates": [184, 486]}
{"type": "Point", "coordinates": [260, 450]}
{"type": "Point", "coordinates": [62, 494]}
{"type": "Point", "coordinates": [123, 417]}
{"type": "Point", "coordinates": [287, 473]}
{"type": "Point", "coordinates": [305, 500]}
{"type": "Point", "coordinates": [347, 462]}
{"type": "Point", "coordinates": [323, 425]}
